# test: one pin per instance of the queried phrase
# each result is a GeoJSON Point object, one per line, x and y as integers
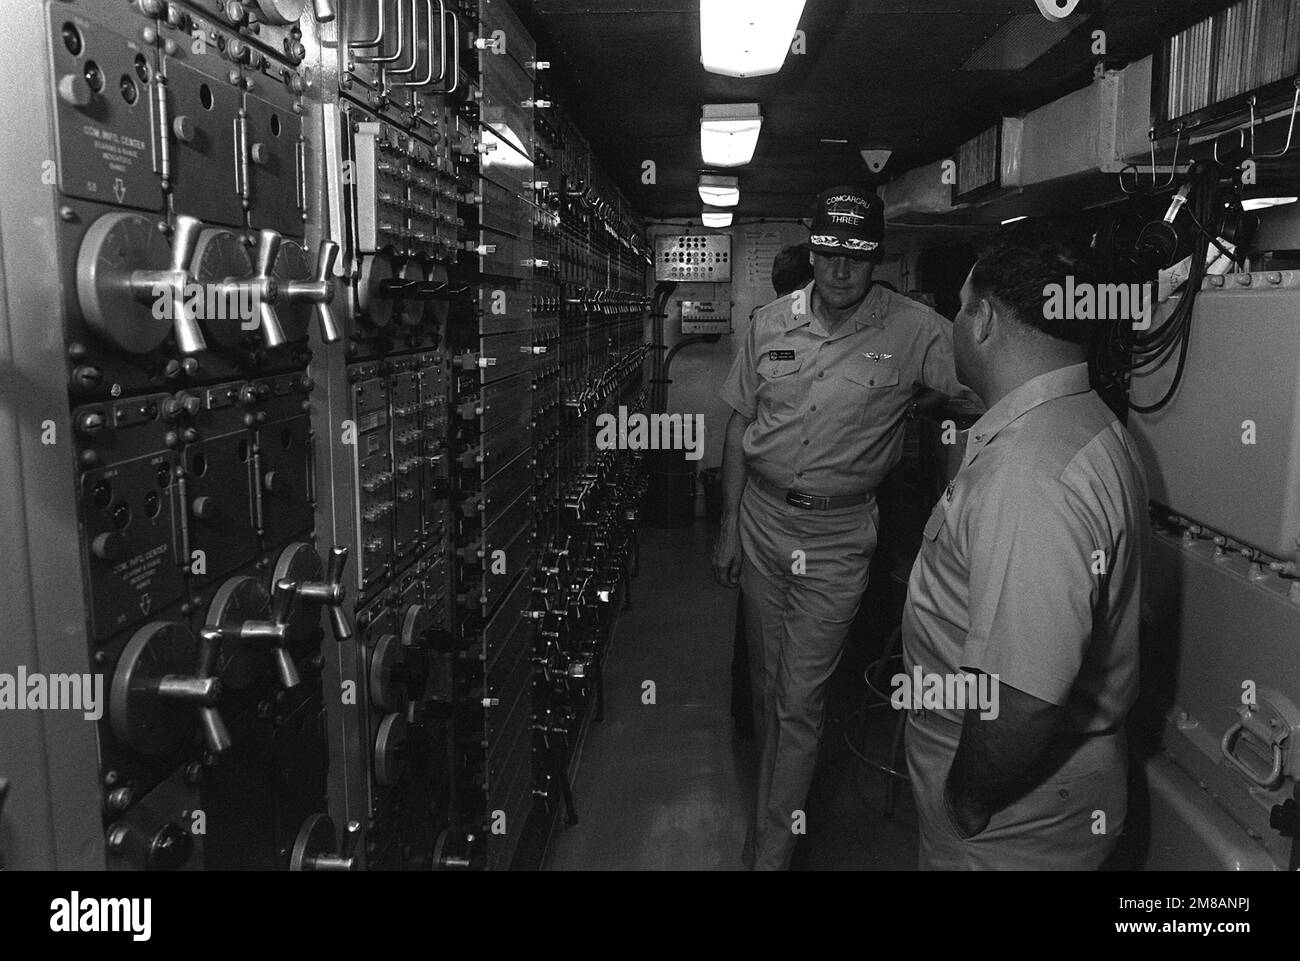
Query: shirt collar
{"type": "Point", "coordinates": [1062, 382]}
{"type": "Point", "coordinates": [872, 312]}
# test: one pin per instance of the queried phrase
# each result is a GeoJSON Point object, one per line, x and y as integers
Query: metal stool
{"type": "Point", "coordinates": [893, 768]}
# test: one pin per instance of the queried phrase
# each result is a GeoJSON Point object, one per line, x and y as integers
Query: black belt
{"type": "Point", "coordinates": [809, 502]}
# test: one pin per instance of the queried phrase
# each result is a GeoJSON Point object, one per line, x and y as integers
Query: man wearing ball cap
{"type": "Point", "coordinates": [820, 389]}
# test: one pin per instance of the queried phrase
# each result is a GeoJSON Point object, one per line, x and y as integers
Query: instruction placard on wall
{"type": "Point", "coordinates": [762, 244]}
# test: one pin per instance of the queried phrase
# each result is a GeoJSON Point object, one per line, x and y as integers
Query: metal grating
{"type": "Point", "coordinates": [979, 166]}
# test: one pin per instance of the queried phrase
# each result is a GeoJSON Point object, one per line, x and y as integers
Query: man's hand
{"type": "Point", "coordinates": [968, 822]}
{"type": "Point", "coordinates": [726, 553]}
{"type": "Point", "coordinates": [727, 556]}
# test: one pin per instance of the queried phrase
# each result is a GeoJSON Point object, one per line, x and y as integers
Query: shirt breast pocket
{"type": "Point", "coordinates": [867, 385]}
{"type": "Point", "coordinates": [779, 383]}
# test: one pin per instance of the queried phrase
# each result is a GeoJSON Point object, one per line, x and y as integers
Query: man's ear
{"type": "Point", "coordinates": [983, 321]}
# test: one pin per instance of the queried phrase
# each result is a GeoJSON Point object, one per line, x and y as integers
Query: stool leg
{"type": "Point", "coordinates": [895, 759]}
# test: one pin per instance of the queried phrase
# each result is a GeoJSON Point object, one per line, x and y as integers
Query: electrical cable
{"type": "Point", "coordinates": [1128, 351]}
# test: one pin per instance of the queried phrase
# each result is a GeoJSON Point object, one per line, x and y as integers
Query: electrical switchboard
{"type": "Point", "coordinates": [311, 309]}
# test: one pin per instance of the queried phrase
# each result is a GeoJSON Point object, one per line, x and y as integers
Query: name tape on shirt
{"type": "Point", "coordinates": [780, 355]}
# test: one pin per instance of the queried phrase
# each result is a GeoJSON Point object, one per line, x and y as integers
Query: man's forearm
{"type": "Point", "coordinates": [997, 757]}
{"type": "Point", "coordinates": [733, 467]}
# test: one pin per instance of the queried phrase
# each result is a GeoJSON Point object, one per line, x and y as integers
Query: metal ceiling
{"type": "Point", "coordinates": [877, 73]}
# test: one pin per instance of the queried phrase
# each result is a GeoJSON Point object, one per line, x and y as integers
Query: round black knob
{"type": "Point", "coordinates": [91, 422]}
{"type": "Point", "coordinates": [170, 848]}
{"type": "Point", "coordinates": [109, 546]}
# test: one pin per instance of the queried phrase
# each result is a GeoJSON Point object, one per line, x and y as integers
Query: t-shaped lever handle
{"type": "Point", "coordinates": [203, 690]}
{"type": "Point", "coordinates": [331, 592]}
{"type": "Point", "coordinates": [312, 848]}
{"type": "Point", "coordinates": [145, 284]}
{"type": "Point", "coordinates": [268, 249]}
{"type": "Point", "coordinates": [275, 632]}
{"type": "Point", "coordinates": [318, 291]}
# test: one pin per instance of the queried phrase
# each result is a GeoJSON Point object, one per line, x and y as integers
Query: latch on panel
{"type": "Point", "coordinates": [1272, 724]}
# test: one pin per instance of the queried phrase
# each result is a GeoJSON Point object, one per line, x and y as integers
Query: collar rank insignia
{"type": "Point", "coordinates": [878, 357]}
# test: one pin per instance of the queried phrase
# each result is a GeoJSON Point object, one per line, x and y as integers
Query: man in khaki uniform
{"type": "Point", "coordinates": [820, 390]}
{"type": "Point", "coordinates": [1030, 576]}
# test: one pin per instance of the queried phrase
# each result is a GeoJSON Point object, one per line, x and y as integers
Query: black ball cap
{"type": "Point", "coordinates": [848, 222]}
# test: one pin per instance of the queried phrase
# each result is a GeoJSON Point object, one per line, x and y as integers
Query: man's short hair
{"type": "Point", "coordinates": [1018, 263]}
{"type": "Point", "coordinates": [791, 270]}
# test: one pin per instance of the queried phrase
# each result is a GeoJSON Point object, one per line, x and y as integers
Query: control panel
{"type": "Point", "coordinates": [328, 296]}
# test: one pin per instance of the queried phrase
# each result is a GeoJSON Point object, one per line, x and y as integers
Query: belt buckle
{"type": "Point", "coordinates": [806, 501]}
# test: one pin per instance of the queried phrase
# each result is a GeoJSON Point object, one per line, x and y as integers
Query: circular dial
{"type": "Point", "coordinates": [315, 838]}
{"type": "Point", "coordinates": [387, 665]}
{"type": "Point", "coordinates": [281, 12]}
{"type": "Point", "coordinates": [415, 625]}
{"type": "Point", "coordinates": [398, 674]}
{"type": "Point", "coordinates": [436, 309]}
{"type": "Point", "coordinates": [115, 246]}
{"type": "Point", "coordinates": [374, 299]}
{"type": "Point", "coordinates": [412, 307]}
{"type": "Point", "coordinates": [293, 264]}
{"type": "Point", "coordinates": [140, 719]}
{"type": "Point", "coordinates": [390, 750]}
{"type": "Point", "coordinates": [221, 256]}
{"type": "Point", "coordinates": [238, 600]}
{"type": "Point", "coordinates": [300, 563]}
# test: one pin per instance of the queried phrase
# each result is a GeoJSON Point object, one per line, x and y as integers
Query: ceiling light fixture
{"type": "Point", "coordinates": [729, 133]}
{"type": "Point", "coordinates": [716, 217]}
{"type": "Point", "coordinates": [1013, 220]}
{"type": "Point", "coordinates": [747, 38]}
{"type": "Point", "coordinates": [719, 191]}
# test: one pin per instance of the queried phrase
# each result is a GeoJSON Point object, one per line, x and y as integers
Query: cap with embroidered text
{"type": "Point", "coordinates": [848, 222]}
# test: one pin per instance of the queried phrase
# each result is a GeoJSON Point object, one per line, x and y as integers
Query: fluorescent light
{"type": "Point", "coordinates": [1259, 203]}
{"type": "Point", "coordinates": [729, 133]}
{"type": "Point", "coordinates": [1013, 220]}
{"type": "Point", "coordinates": [747, 38]}
{"type": "Point", "coordinates": [714, 217]}
{"type": "Point", "coordinates": [719, 191]}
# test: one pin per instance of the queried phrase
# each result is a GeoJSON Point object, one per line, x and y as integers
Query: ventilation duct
{"type": "Point", "coordinates": [1018, 43]}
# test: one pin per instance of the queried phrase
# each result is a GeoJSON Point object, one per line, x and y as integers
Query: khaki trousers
{"type": "Point", "coordinates": [1070, 822]}
{"type": "Point", "coordinates": [803, 577]}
